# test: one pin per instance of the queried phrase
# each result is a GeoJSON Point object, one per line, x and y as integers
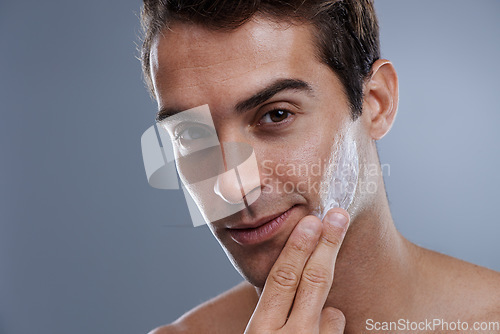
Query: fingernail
{"type": "Point", "coordinates": [309, 227]}
{"type": "Point", "coordinates": [336, 219]}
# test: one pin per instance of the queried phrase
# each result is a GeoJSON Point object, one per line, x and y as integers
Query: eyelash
{"type": "Point", "coordinates": [286, 120]}
{"type": "Point", "coordinates": [178, 132]}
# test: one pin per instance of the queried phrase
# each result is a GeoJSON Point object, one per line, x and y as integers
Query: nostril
{"type": "Point", "coordinates": [228, 187]}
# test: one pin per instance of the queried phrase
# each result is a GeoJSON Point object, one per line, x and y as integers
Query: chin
{"type": "Point", "coordinates": [255, 277]}
{"type": "Point", "coordinates": [255, 266]}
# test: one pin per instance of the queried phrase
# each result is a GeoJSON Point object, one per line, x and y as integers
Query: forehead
{"type": "Point", "coordinates": [190, 59]}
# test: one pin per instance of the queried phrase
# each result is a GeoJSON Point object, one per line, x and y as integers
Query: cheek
{"type": "Point", "coordinates": [296, 168]}
{"type": "Point", "coordinates": [341, 175]}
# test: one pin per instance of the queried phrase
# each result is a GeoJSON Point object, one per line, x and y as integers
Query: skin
{"type": "Point", "coordinates": [378, 273]}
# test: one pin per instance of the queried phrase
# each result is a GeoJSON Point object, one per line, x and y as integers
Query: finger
{"type": "Point", "coordinates": [332, 321]}
{"type": "Point", "coordinates": [317, 276]}
{"type": "Point", "coordinates": [281, 285]}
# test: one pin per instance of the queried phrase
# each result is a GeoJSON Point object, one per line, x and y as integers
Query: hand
{"type": "Point", "coordinates": [298, 284]}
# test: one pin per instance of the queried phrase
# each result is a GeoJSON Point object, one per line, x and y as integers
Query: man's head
{"type": "Point", "coordinates": [275, 78]}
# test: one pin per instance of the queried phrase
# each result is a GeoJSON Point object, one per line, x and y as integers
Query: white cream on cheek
{"type": "Point", "coordinates": [341, 175]}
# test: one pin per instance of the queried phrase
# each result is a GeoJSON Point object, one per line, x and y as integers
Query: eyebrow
{"type": "Point", "coordinates": [255, 100]}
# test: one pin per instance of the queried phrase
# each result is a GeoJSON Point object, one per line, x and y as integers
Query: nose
{"type": "Point", "coordinates": [228, 187]}
{"type": "Point", "coordinates": [240, 182]}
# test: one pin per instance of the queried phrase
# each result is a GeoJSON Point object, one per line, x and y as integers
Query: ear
{"type": "Point", "coordinates": [380, 101]}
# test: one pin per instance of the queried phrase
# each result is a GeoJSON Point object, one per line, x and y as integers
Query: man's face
{"type": "Point", "coordinates": [294, 112]}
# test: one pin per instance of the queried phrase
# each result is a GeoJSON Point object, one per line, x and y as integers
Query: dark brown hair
{"type": "Point", "coordinates": [347, 33]}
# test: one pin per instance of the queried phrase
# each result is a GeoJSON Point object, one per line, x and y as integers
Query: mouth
{"type": "Point", "coordinates": [261, 230]}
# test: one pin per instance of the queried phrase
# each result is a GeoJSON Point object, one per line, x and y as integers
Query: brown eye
{"type": "Point", "coordinates": [275, 116]}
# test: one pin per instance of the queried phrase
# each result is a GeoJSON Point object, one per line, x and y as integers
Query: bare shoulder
{"type": "Point", "coordinates": [485, 293]}
{"type": "Point", "coordinates": [227, 313]}
{"type": "Point", "coordinates": [467, 286]}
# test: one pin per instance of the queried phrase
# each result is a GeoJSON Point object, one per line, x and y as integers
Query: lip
{"type": "Point", "coordinates": [261, 230]}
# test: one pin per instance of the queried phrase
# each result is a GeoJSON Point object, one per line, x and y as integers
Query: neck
{"type": "Point", "coordinates": [375, 273]}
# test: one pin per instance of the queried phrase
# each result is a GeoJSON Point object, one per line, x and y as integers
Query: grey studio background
{"type": "Point", "coordinates": [85, 245]}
